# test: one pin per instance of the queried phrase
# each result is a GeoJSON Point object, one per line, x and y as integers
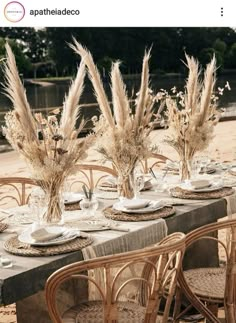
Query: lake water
{"type": "Point", "coordinates": [42, 97]}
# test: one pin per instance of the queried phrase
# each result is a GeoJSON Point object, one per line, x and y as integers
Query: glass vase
{"type": "Point", "coordinates": [185, 169]}
{"type": "Point", "coordinates": [54, 200]}
{"type": "Point", "coordinates": [125, 186]}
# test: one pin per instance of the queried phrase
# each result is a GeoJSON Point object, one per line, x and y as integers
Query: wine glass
{"type": "Point", "coordinates": [195, 167]}
{"type": "Point", "coordinates": [38, 203]}
{"type": "Point", "coordinates": [138, 184]}
{"type": "Point", "coordinates": [204, 161]}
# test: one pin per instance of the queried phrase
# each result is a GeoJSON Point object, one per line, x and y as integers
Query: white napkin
{"type": "Point", "coordinates": [202, 183]}
{"type": "Point", "coordinates": [109, 181]}
{"type": "Point", "coordinates": [44, 234]}
{"type": "Point", "coordinates": [135, 203]}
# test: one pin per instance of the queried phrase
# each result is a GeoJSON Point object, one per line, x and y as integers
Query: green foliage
{"type": "Point", "coordinates": [231, 58]}
{"type": "Point", "coordinates": [22, 61]}
{"type": "Point", "coordinates": [126, 44]}
{"type": "Point", "coordinates": [207, 54]}
{"type": "Point", "coordinates": [220, 46]}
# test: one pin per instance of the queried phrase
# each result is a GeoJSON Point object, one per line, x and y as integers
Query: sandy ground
{"type": "Point", "coordinates": [223, 148]}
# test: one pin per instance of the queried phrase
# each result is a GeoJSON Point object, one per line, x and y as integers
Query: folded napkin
{"type": "Point", "coordinates": [135, 203]}
{"type": "Point", "coordinates": [109, 182]}
{"type": "Point", "coordinates": [172, 164]}
{"type": "Point", "coordinates": [44, 234]}
{"type": "Point", "coordinates": [197, 184]}
{"type": "Point", "coordinates": [232, 171]}
{"type": "Point", "coordinates": [112, 183]}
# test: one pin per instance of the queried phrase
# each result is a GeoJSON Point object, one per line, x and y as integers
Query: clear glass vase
{"type": "Point", "coordinates": [125, 186]}
{"type": "Point", "coordinates": [185, 169]}
{"type": "Point", "coordinates": [54, 211]}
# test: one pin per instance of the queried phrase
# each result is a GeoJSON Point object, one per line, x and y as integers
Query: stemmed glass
{"type": "Point", "coordinates": [138, 184]}
{"type": "Point", "coordinates": [38, 203]}
{"type": "Point", "coordinates": [195, 167]}
{"type": "Point", "coordinates": [204, 161]}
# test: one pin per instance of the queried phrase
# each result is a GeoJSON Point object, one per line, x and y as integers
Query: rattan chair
{"type": "Point", "coordinates": [164, 260]}
{"type": "Point", "coordinates": [15, 189]}
{"type": "Point", "coordinates": [155, 160]}
{"type": "Point", "coordinates": [209, 288]}
{"type": "Point", "coordinates": [90, 175]}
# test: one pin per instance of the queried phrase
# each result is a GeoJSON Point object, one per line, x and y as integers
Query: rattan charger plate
{"type": "Point", "coordinates": [14, 246]}
{"type": "Point", "coordinates": [3, 226]}
{"type": "Point", "coordinates": [185, 194]}
{"type": "Point", "coordinates": [164, 212]}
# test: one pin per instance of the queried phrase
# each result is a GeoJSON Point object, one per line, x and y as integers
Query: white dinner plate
{"type": "Point", "coordinates": [25, 237]}
{"type": "Point", "coordinates": [214, 186]}
{"type": "Point", "coordinates": [70, 198]}
{"type": "Point", "coordinates": [151, 207]}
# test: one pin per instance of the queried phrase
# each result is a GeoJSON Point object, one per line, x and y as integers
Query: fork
{"type": "Point", "coordinates": [6, 212]}
{"type": "Point", "coordinates": [9, 214]}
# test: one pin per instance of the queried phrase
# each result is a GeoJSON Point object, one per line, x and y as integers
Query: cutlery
{"type": "Point", "coordinates": [115, 228]}
{"type": "Point", "coordinates": [9, 214]}
{"type": "Point", "coordinates": [6, 211]}
{"type": "Point", "coordinates": [152, 173]}
{"type": "Point", "coordinates": [165, 173]}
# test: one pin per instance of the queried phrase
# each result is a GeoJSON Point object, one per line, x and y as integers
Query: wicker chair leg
{"type": "Point", "coordinates": [213, 308]}
{"type": "Point", "coordinates": [177, 305]}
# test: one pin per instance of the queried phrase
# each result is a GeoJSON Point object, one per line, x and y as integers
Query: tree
{"type": "Point", "coordinates": [231, 58]}
{"type": "Point", "coordinates": [22, 61]}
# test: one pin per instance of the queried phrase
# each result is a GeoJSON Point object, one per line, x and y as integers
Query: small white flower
{"type": "Point", "coordinates": [220, 90]}
{"type": "Point", "coordinates": [227, 86]}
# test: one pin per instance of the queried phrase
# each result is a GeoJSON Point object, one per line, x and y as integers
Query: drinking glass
{"type": "Point", "coordinates": [159, 183]}
{"type": "Point", "coordinates": [38, 203]}
{"type": "Point", "coordinates": [89, 206]}
{"type": "Point", "coordinates": [138, 184]}
{"type": "Point", "coordinates": [195, 167]}
{"type": "Point", "coordinates": [204, 161]}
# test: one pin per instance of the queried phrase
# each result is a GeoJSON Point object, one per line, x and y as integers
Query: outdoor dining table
{"type": "Point", "coordinates": [24, 282]}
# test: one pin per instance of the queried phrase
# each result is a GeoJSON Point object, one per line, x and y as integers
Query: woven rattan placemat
{"type": "Point", "coordinates": [184, 194]}
{"type": "Point", "coordinates": [72, 206]}
{"type": "Point", "coordinates": [3, 226]}
{"type": "Point", "coordinates": [14, 246]}
{"type": "Point", "coordinates": [110, 213]}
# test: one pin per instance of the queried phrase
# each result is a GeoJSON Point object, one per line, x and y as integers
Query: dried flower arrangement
{"type": "Point", "coordinates": [191, 116]}
{"type": "Point", "coordinates": [52, 155]}
{"type": "Point", "coordinates": [121, 137]}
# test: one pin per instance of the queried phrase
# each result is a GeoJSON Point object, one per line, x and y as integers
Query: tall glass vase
{"type": "Point", "coordinates": [185, 169]}
{"type": "Point", "coordinates": [55, 209]}
{"type": "Point", "coordinates": [125, 186]}
{"type": "Point", "coordinates": [55, 203]}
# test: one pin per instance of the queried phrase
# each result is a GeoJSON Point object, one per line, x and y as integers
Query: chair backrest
{"type": "Point", "coordinates": [155, 160]}
{"type": "Point", "coordinates": [162, 261]}
{"type": "Point", "coordinates": [15, 189]}
{"type": "Point", "coordinates": [227, 244]}
{"type": "Point", "coordinates": [91, 175]}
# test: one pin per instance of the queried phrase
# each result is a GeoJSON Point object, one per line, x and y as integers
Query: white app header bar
{"type": "Point", "coordinates": [122, 13]}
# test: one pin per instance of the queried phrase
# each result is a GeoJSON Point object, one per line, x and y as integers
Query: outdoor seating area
{"type": "Point", "coordinates": [127, 223]}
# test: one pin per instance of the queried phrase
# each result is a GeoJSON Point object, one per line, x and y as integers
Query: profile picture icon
{"type": "Point", "coordinates": [14, 11]}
